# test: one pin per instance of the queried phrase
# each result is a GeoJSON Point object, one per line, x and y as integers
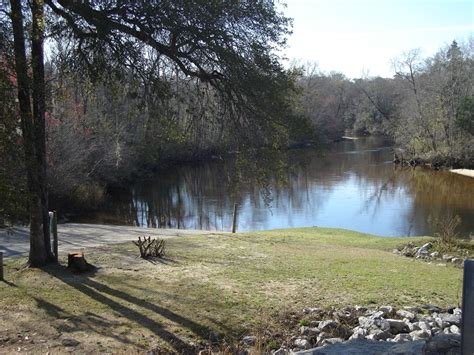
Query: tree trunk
{"type": "Point", "coordinates": [39, 109]}
{"type": "Point", "coordinates": [40, 251]}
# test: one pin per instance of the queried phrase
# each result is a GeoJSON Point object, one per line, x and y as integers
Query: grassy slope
{"type": "Point", "coordinates": [228, 284]}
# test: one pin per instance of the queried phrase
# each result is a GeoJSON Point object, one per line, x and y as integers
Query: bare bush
{"type": "Point", "coordinates": [446, 230]}
{"type": "Point", "coordinates": [150, 247]}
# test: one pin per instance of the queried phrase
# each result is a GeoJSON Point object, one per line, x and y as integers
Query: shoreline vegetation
{"type": "Point", "coordinates": [213, 290]}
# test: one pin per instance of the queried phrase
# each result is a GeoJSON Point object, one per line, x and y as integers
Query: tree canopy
{"type": "Point", "coordinates": [232, 46]}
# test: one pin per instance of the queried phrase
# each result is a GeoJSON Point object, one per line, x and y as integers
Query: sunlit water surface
{"type": "Point", "coordinates": [354, 185]}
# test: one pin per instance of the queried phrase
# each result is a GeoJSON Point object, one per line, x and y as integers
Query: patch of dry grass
{"type": "Point", "coordinates": [211, 287]}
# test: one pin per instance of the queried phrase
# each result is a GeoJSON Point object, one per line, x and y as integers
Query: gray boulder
{"type": "Point", "coordinates": [386, 310]}
{"type": "Point", "coordinates": [406, 314]}
{"type": "Point", "coordinates": [332, 341]}
{"type": "Point", "coordinates": [327, 325]}
{"type": "Point", "coordinates": [454, 329]}
{"type": "Point", "coordinates": [398, 326]}
{"type": "Point", "coordinates": [379, 335]}
{"type": "Point", "coordinates": [249, 340]}
{"type": "Point", "coordinates": [450, 318]}
{"type": "Point", "coordinates": [358, 333]}
{"type": "Point", "coordinates": [302, 343]}
{"type": "Point", "coordinates": [403, 337]}
{"type": "Point", "coordinates": [420, 334]}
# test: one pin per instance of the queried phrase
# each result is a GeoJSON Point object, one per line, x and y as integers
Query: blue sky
{"type": "Point", "coordinates": [358, 37]}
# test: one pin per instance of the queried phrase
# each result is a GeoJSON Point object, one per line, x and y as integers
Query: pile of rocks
{"type": "Point", "coordinates": [383, 324]}
{"type": "Point", "coordinates": [424, 252]}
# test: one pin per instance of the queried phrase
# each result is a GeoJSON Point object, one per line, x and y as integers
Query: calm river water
{"type": "Point", "coordinates": [354, 185]}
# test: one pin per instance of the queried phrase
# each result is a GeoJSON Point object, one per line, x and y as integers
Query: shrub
{"type": "Point", "coordinates": [150, 247]}
{"type": "Point", "coordinates": [446, 231]}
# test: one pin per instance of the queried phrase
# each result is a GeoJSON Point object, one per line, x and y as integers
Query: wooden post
{"type": "Point", "coordinates": [1, 266]}
{"type": "Point", "coordinates": [55, 235]}
{"type": "Point", "coordinates": [467, 326]}
{"type": "Point", "coordinates": [234, 219]}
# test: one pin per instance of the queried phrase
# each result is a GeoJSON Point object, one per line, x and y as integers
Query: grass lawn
{"type": "Point", "coordinates": [210, 286]}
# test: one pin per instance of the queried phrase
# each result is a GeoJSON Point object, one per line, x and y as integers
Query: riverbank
{"type": "Point", "coordinates": [465, 172]}
{"type": "Point", "coordinates": [211, 288]}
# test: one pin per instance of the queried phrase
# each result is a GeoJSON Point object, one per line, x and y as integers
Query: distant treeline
{"type": "Point", "coordinates": [427, 108]}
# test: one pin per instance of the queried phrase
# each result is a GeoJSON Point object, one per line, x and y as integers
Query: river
{"type": "Point", "coordinates": [353, 185]}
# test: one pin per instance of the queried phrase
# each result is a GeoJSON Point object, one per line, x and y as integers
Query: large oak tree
{"type": "Point", "coordinates": [229, 44]}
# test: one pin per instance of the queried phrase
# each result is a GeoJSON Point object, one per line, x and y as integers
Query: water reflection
{"type": "Point", "coordinates": [354, 185]}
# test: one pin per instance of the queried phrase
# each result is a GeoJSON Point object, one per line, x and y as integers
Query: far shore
{"type": "Point", "coordinates": [465, 172]}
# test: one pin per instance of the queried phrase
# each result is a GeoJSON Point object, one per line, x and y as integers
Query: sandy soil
{"type": "Point", "coordinates": [75, 236]}
{"type": "Point", "coordinates": [465, 172]}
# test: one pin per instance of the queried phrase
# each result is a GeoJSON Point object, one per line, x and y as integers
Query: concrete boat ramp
{"type": "Point", "coordinates": [76, 236]}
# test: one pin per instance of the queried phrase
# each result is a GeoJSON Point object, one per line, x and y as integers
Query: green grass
{"type": "Point", "coordinates": [230, 284]}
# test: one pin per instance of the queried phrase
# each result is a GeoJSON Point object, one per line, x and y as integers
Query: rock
{"type": "Point", "coordinates": [365, 322]}
{"type": "Point", "coordinates": [423, 250]}
{"type": "Point", "coordinates": [364, 346]}
{"type": "Point", "coordinates": [378, 335]}
{"type": "Point", "coordinates": [377, 315]}
{"type": "Point", "coordinates": [450, 318]}
{"type": "Point", "coordinates": [302, 343]}
{"type": "Point", "coordinates": [427, 319]}
{"type": "Point", "coordinates": [402, 337]}
{"type": "Point", "coordinates": [454, 329]}
{"type": "Point", "coordinates": [281, 351]}
{"type": "Point", "coordinates": [311, 310]}
{"type": "Point", "coordinates": [412, 326]}
{"type": "Point", "coordinates": [309, 331]}
{"type": "Point", "coordinates": [447, 257]}
{"type": "Point", "coordinates": [70, 342]}
{"type": "Point", "coordinates": [405, 314]}
{"type": "Point", "coordinates": [321, 337]}
{"type": "Point", "coordinates": [441, 323]}
{"type": "Point", "coordinates": [332, 341]}
{"type": "Point", "coordinates": [457, 261]}
{"type": "Point", "coordinates": [327, 325]}
{"type": "Point", "coordinates": [386, 310]}
{"type": "Point", "coordinates": [398, 326]}
{"type": "Point", "coordinates": [409, 251]}
{"type": "Point", "coordinates": [249, 340]}
{"type": "Point", "coordinates": [434, 255]}
{"type": "Point", "coordinates": [420, 334]}
{"type": "Point", "coordinates": [382, 324]}
{"type": "Point", "coordinates": [358, 333]}
{"type": "Point", "coordinates": [446, 330]}
{"type": "Point", "coordinates": [374, 322]}
{"type": "Point", "coordinates": [457, 312]}
{"type": "Point", "coordinates": [424, 325]}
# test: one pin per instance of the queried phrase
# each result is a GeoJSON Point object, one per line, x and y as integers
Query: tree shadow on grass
{"type": "Point", "coordinates": [89, 322]}
{"type": "Point", "coordinates": [161, 260]}
{"type": "Point", "coordinates": [106, 295]}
